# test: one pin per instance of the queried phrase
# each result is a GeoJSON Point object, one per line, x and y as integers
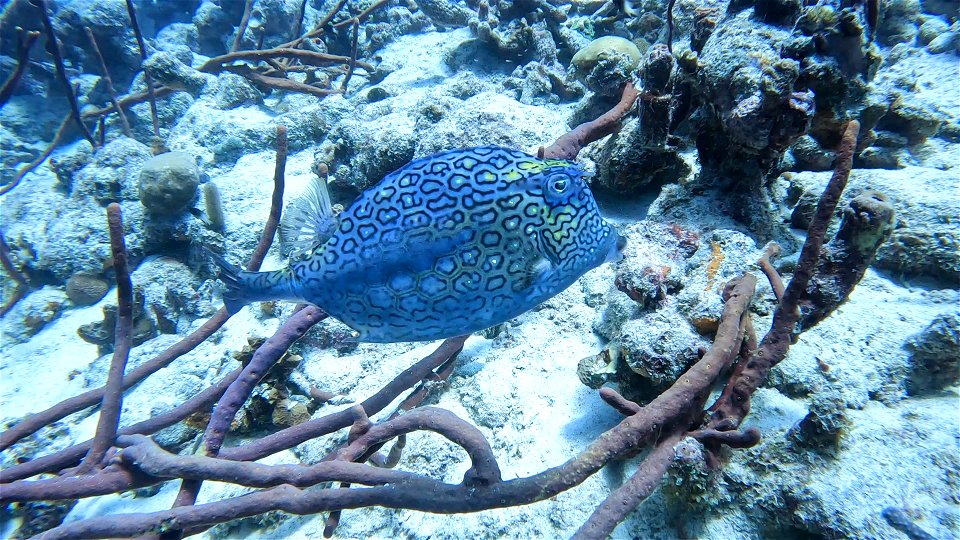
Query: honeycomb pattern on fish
{"type": "Point", "coordinates": [450, 244]}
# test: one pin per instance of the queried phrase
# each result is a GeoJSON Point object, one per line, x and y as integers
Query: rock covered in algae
{"type": "Point", "coordinates": [168, 183]}
{"type": "Point", "coordinates": [946, 42]}
{"type": "Point", "coordinates": [606, 63]}
{"type": "Point", "coordinates": [825, 422]}
{"type": "Point", "coordinates": [444, 13]}
{"type": "Point", "coordinates": [84, 288]}
{"type": "Point", "coordinates": [33, 313]}
{"type": "Point", "coordinates": [112, 173]}
{"type": "Point", "coordinates": [234, 91]}
{"type": "Point", "coordinates": [934, 363]}
{"type": "Point", "coordinates": [165, 68]}
{"type": "Point", "coordinates": [657, 348]}
{"type": "Point", "coordinates": [103, 333]}
{"type": "Point", "coordinates": [898, 23]}
{"type": "Point", "coordinates": [931, 29]}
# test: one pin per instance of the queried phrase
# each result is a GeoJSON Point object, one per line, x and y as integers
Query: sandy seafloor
{"type": "Point", "coordinates": [522, 390]}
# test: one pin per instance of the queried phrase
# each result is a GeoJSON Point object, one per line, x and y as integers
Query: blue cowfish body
{"type": "Point", "coordinates": [447, 245]}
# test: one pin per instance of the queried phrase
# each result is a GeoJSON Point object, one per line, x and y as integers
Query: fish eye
{"type": "Point", "coordinates": [560, 184]}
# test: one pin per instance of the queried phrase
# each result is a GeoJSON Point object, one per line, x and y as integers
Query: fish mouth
{"type": "Point", "coordinates": [616, 249]}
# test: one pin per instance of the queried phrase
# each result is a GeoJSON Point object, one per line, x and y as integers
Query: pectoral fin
{"type": "Point", "coordinates": [533, 264]}
{"type": "Point", "coordinates": [533, 270]}
{"type": "Point", "coordinates": [308, 221]}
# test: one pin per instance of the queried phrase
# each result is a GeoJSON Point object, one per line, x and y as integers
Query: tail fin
{"type": "Point", "coordinates": [231, 276]}
{"type": "Point", "coordinates": [243, 287]}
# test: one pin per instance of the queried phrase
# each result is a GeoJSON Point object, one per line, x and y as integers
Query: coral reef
{"type": "Point", "coordinates": [639, 154]}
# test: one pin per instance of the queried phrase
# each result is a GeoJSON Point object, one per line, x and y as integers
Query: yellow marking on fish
{"type": "Point", "coordinates": [552, 217]}
{"type": "Point", "coordinates": [489, 176]}
{"type": "Point", "coordinates": [512, 175]}
{"type": "Point", "coordinates": [468, 164]}
{"type": "Point", "coordinates": [536, 167]}
{"type": "Point", "coordinates": [530, 166]}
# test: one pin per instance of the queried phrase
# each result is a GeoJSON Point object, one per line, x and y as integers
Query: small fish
{"type": "Point", "coordinates": [629, 7]}
{"type": "Point", "coordinates": [447, 245]}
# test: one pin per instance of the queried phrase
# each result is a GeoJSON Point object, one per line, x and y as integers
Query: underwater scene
{"type": "Point", "coordinates": [480, 269]}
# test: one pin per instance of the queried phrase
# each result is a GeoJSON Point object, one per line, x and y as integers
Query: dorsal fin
{"type": "Point", "coordinates": [308, 221]}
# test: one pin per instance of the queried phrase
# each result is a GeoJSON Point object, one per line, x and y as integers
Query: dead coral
{"type": "Point", "coordinates": [639, 155]}
{"type": "Point", "coordinates": [933, 359]}
{"type": "Point", "coordinates": [101, 333]}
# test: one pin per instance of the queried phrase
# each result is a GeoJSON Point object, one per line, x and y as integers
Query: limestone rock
{"type": "Point", "coordinates": [85, 289]}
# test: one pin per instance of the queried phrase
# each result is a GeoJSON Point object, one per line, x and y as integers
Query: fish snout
{"type": "Point", "coordinates": [616, 250]}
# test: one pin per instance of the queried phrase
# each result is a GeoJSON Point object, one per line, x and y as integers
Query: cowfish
{"type": "Point", "coordinates": [447, 245]}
